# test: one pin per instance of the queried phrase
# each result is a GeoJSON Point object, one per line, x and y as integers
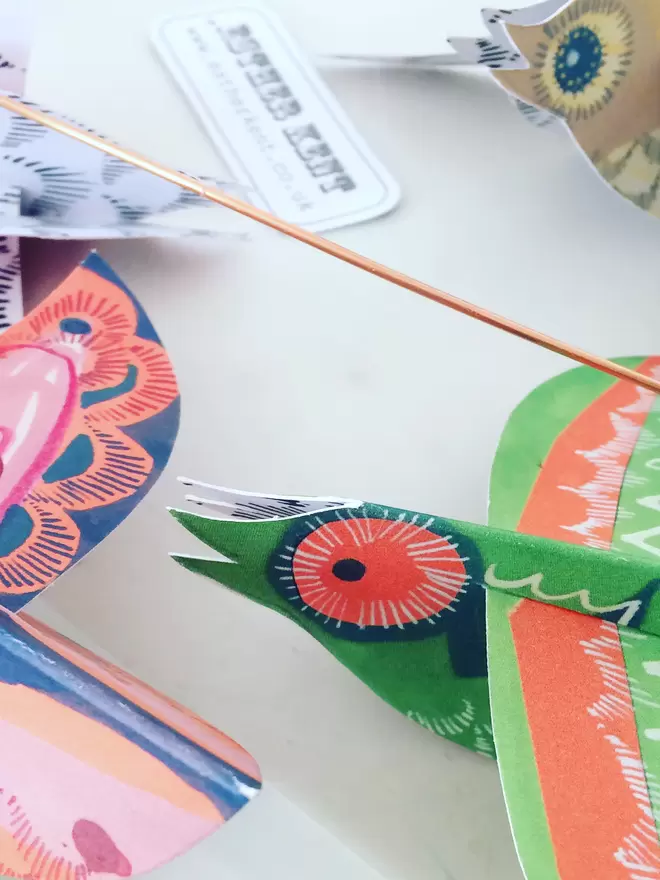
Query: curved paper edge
{"type": "Point", "coordinates": [134, 780]}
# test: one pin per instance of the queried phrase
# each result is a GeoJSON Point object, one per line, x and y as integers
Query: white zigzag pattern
{"type": "Point", "coordinates": [610, 460]}
{"type": "Point", "coordinates": [638, 852]}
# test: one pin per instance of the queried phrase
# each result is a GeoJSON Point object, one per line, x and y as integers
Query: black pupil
{"type": "Point", "coordinates": [349, 569]}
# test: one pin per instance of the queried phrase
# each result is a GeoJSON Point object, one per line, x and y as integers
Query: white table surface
{"type": "Point", "coordinates": [302, 375]}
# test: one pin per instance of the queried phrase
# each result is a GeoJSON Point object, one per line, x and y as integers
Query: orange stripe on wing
{"type": "Point", "coordinates": [576, 494]}
{"type": "Point", "coordinates": [46, 551]}
{"type": "Point", "coordinates": [101, 354]}
{"type": "Point", "coordinates": [586, 748]}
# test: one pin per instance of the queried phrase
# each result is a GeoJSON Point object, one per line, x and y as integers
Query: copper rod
{"type": "Point", "coordinates": [331, 248]}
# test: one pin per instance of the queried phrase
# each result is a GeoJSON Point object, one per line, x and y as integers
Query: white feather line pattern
{"type": "Point", "coordinates": [452, 725]}
{"type": "Point", "coordinates": [638, 852]}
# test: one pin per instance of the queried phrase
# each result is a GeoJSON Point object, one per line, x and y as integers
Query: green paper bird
{"type": "Point", "coordinates": [538, 639]}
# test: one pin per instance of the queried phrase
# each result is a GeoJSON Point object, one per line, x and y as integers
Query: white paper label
{"type": "Point", "coordinates": [272, 118]}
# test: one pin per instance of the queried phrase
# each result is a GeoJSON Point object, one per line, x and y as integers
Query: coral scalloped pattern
{"type": "Point", "coordinates": [88, 415]}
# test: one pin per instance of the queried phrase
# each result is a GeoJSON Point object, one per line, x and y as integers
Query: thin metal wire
{"type": "Point", "coordinates": [331, 248]}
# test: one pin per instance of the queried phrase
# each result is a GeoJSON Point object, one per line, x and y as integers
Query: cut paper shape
{"type": "Point", "coordinates": [102, 776]}
{"type": "Point", "coordinates": [54, 187]}
{"type": "Point", "coordinates": [17, 19]}
{"type": "Point", "coordinates": [595, 65]}
{"type": "Point", "coordinates": [231, 504]}
{"type": "Point", "coordinates": [11, 287]}
{"type": "Point", "coordinates": [569, 716]}
{"type": "Point", "coordinates": [70, 190]}
{"type": "Point", "coordinates": [89, 415]}
{"type": "Point", "coordinates": [536, 637]}
{"type": "Point", "coordinates": [398, 596]}
{"type": "Point", "coordinates": [133, 780]}
{"type": "Point", "coordinates": [577, 459]}
{"type": "Point", "coordinates": [591, 65]}
{"type": "Point", "coordinates": [408, 634]}
{"type": "Point", "coordinates": [501, 50]}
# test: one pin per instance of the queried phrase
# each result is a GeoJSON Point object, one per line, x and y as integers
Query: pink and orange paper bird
{"type": "Point", "coordinates": [102, 776]}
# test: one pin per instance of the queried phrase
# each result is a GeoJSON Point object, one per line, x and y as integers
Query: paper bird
{"type": "Point", "coordinates": [595, 65]}
{"type": "Point", "coordinates": [591, 65]}
{"type": "Point", "coordinates": [536, 638]}
{"type": "Point", "coordinates": [55, 187]}
{"type": "Point", "coordinates": [101, 776]}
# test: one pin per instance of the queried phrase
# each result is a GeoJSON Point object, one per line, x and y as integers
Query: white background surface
{"type": "Point", "coordinates": [302, 375]}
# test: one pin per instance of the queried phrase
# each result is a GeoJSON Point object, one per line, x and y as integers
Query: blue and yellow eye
{"type": "Point", "coordinates": [583, 59]}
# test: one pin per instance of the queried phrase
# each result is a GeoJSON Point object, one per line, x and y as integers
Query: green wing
{"type": "Point", "coordinates": [576, 709]}
{"type": "Point", "coordinates": [530, 432]}
{"type": "Point", "coordinates": [575, 700]}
